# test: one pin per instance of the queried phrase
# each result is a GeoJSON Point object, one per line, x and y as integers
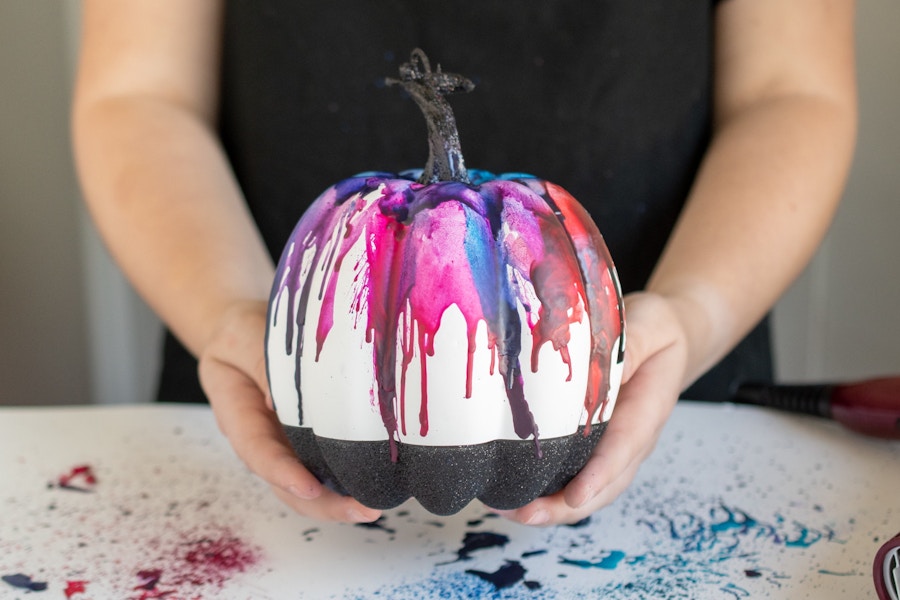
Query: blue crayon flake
{"type": "Point", "coordinates": [608, 562]}
{"type": "Point", "coordinates": [838, 573]}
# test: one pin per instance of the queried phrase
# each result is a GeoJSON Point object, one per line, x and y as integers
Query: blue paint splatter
{"type": "Point", "coordinates": [735, 591]}
{"type": "Point", "coordinates": [693, 547]}
{"type": "Point", "coordinates": [838, 574]}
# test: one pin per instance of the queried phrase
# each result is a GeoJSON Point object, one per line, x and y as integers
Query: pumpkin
{"type": "Point", "coordinates": [444, 334]}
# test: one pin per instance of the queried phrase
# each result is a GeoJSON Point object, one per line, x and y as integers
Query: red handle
{"type": "Point", "coordinates": [871, 407]}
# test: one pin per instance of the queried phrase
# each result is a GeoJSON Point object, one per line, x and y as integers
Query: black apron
{"type": "Point", "coordinates": [610, 99]}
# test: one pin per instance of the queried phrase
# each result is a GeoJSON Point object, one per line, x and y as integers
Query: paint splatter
{"type": "Point", "coordinates": [609, 561]}
{"type": "Point", "coordinates": [76, 586]}
{"type": "Point", "coordinates": [165, 515]}
{"type": "Point", "coordinates": [80, 478]}
{"type": "Point", "coordinates": [692, 547]}
{"type": "Point", "coordinates": [196, 562]}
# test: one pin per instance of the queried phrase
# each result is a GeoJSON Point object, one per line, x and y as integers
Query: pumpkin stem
{"type": "Point", "coordinates": [428, 88]}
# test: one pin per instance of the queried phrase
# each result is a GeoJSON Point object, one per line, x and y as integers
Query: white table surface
{"type": "Point", "coordinates": [736, 502]}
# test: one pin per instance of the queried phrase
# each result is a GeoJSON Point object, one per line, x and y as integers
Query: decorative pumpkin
{"type": "Point", "coordinates": [444, 334]}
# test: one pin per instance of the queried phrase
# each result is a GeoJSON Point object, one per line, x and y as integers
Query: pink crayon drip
{"type": "Point", "coordinates": [604, 302]}
{"type": "Point", "coordinates": [384, 251]}
{"type": "Point", "coordinates": [423, 367]}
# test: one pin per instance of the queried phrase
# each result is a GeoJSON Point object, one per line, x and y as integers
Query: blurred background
{"type": "Point", "coordinates": [72, 331]}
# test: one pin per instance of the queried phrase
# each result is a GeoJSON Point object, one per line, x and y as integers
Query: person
{"type": "Point", "coordinates": [710, 142]}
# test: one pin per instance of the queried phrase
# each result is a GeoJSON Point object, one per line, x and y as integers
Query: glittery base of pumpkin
{"type": "Point", "coordinates": [503, 474]}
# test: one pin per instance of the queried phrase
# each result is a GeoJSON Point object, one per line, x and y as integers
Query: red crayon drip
{"type": "Point", "coordinates": [605, 307]}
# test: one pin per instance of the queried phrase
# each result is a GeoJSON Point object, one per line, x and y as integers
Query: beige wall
{"type": "Point", "coordinates": [842, 318]}
{"type": "Point", "coordinates": [43, 333]}
{"type": "Point", "coordinates": [71, 330]}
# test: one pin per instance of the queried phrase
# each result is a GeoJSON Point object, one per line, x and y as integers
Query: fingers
{"type": "Point", "coordinates": [656, 356]}
{"type": "Point", "coordinates": [554, 510]}
{"type": "Point", "coordinates": [629, 438]}
{"type": "Point", "coordinates": [330, 506]}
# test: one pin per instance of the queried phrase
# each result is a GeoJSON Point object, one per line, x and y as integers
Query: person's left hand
{"type": "Point", "coordinates": [655, 363]}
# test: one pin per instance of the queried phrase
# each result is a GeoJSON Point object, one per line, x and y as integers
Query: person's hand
{"type": "Point", "coordinates": [233, 375]}
{"type": "Point", "coordinates": [655, 363]}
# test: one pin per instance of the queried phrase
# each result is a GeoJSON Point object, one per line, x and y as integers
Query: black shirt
{"type": "Point", "coordinates": [610, 99]}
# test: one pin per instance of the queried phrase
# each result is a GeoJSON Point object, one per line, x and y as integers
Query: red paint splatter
{"type": "Point", "coordinates": [149, 578]}
{"type": "Point", "coordinates": [80, 478]}
{"type": "Point", "coordinates": [206, 561]}
{"type": "Point", "coordinates": [75, 587]}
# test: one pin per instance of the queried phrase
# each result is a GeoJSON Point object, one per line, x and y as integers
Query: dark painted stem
{"type": "Point", "coordinates": [428, 88]}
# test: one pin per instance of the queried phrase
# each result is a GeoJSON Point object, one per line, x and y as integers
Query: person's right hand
{"type": "Point", "coordinates": [233, 375]}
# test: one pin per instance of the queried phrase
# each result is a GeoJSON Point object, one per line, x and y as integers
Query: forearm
{"type": "Point", "coordinates": [761, 204]}
{"type": "Point", "coordinates": [163, 197]}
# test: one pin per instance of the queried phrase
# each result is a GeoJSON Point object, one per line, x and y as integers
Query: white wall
{"type": "Point", "coordinates": [71, 329]}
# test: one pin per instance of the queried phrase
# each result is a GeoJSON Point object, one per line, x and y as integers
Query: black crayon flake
{"type": "Point", "coordinates": [24, 582]}
{"type": "Point", "coordinates": [506, 576]}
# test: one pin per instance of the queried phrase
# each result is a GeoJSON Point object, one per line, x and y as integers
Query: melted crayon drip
{"type": "Point", "coordinates": [488, 248]}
